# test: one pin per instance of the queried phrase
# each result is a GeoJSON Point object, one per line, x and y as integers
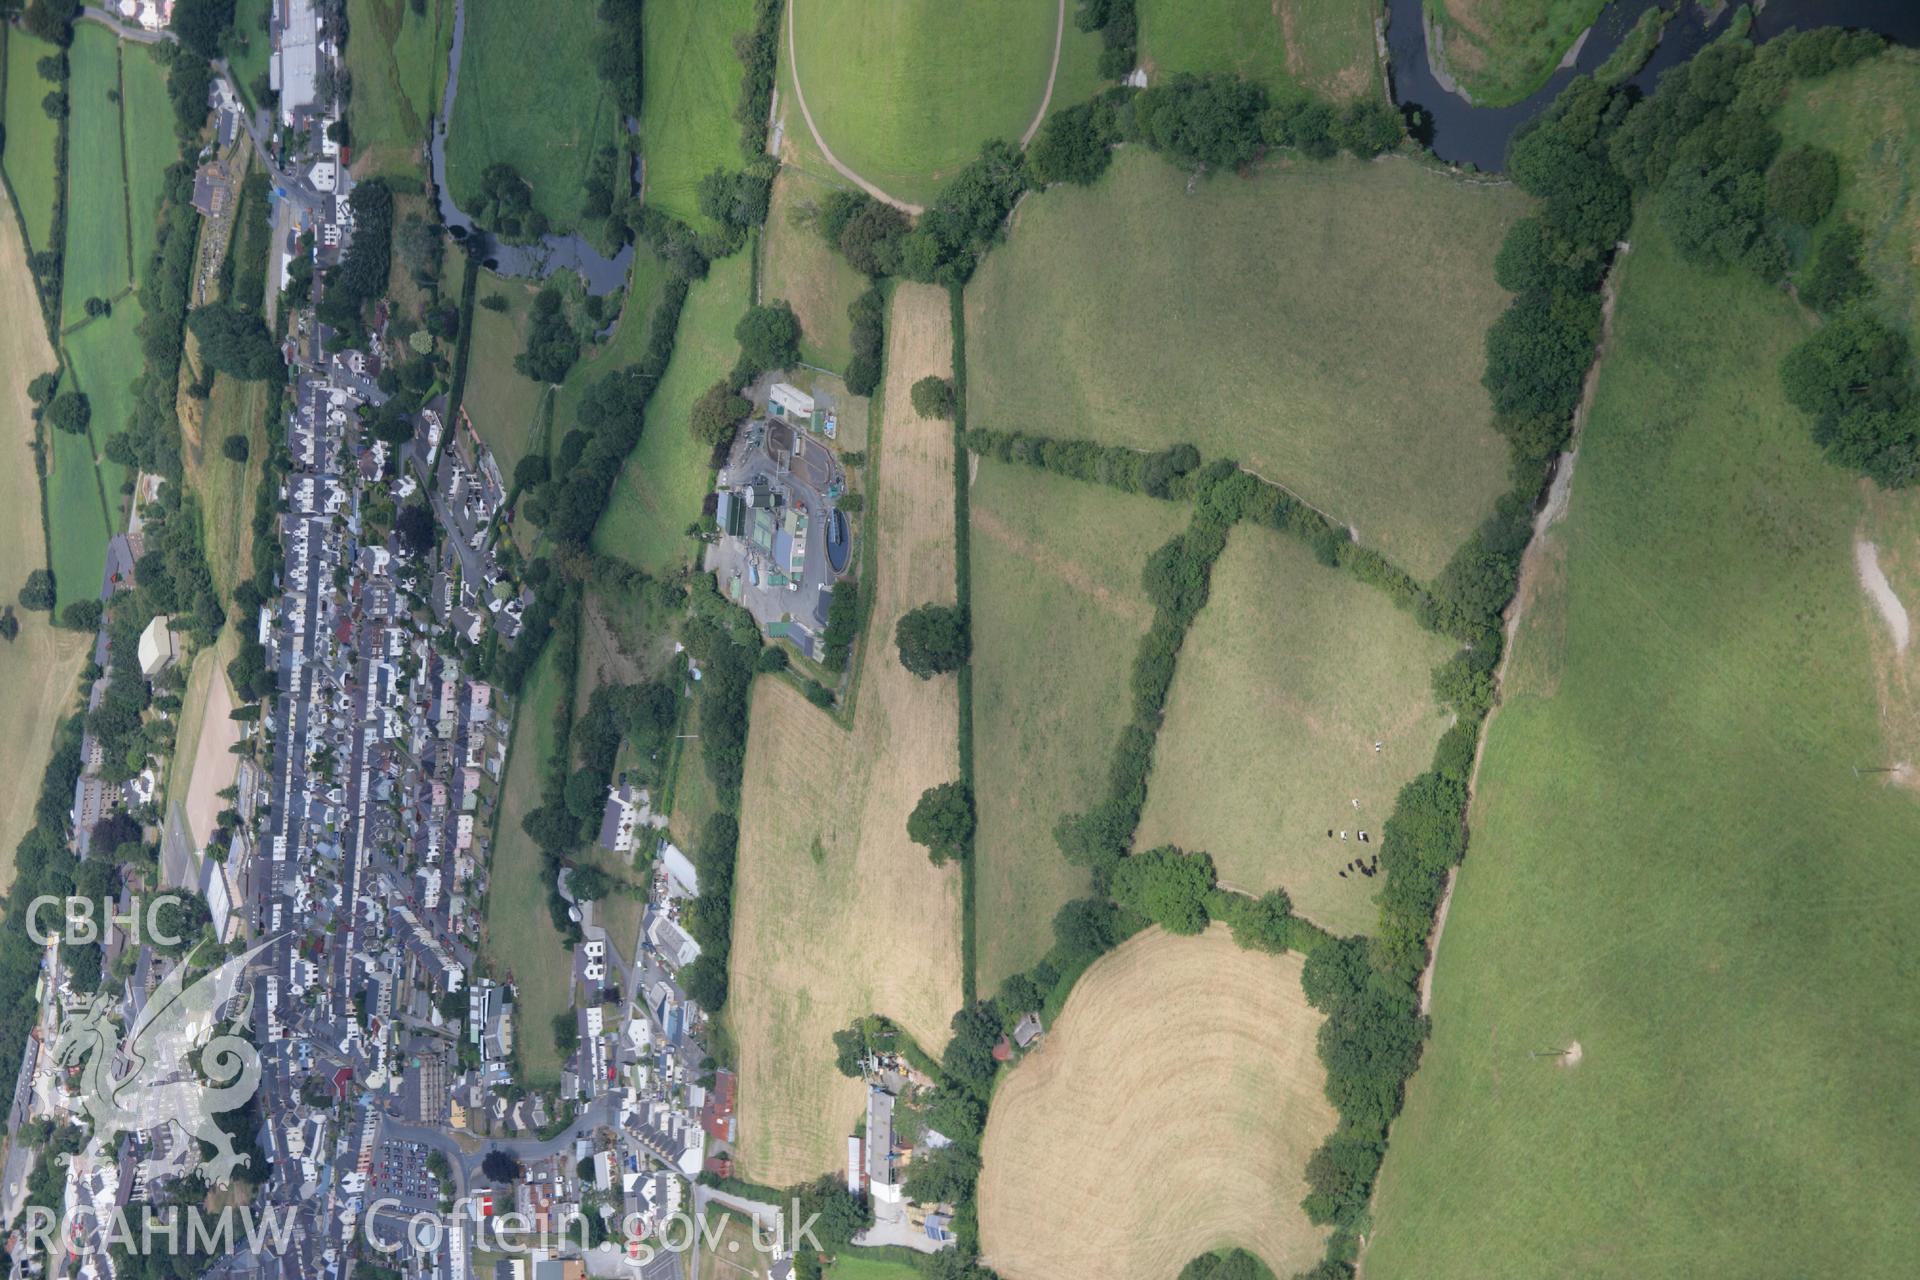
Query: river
{"type": "Point", "coordinates": [534, 261]}
{"type": "Point", "coordinates": [1466, 134]}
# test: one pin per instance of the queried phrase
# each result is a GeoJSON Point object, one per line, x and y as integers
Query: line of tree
{"type": "Point", "coordinates": [758, 49]}
{"type": "Point", "coordinates": [1119, 29]}
{"type": "Point", "coordinates": [709, 918]}
{"type": "Point", "coordinates": [843, 623]}
{"type": "Point", "coordinates": [47, 261]}
{"type": "Point", "coordinates": [618, 53]}
{"type": "Point", "coordinates": [1176, 579]}
{"type": "Point", "coordinates": [868, 316]}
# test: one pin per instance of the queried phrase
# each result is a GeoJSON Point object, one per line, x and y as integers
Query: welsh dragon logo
{"type": "Point", "coordinates": [159, 1087]}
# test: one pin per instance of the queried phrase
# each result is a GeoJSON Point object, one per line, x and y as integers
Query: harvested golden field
{"type": "Point", "coordinates": [1290, 676]}
{"type": "Point", "coordinates": [837, 913]}
{"type": "Point", "coordinates": [39, 666]}
{"type": "Point", "coordinates": [1170, 1111]}
{"type": "Point", "coordinates": [213, 764]}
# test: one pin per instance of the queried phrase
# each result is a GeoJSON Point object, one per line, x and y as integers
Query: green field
{"type": "Point", "coordinates": [83, 493]}
{"type": "Point", "coordinates": [107, 361]}
{"type": "Point", "coordinates": [1288, 678]}
{"type": "Point", "coordinates": [529, 98]}
{"type": "Point", "coordinates": [77, 520]}
{"type": "Point", "coordinates": [99, 262]}
{"type": "Point", "coordinates": [1864, 114]}
{"type": "Point", "coordinates": [1058, 612]}
{"type": "Point", "coordinates": [851, 1266]}
{"type": "Point", "coordinates": [31, 137]}
{"type": "Point", "coordinates": [521, 939]}
{"type": "Point", "coordinates": [503, 403]}
{"type": "Point", "coordinates": [398, 61]}
{"type": "Point", "coordinates": [1502, 50]}
{"type": "Point", "coordinates": [687, 127]}
{"type": "Point", "coordinates": [1674, 863]}
{"type": "Point", "coordinates": [1326, 46]}
{"type": "Point", "coordinates": [152, 146]}
{"type": "Point", "coordinates": [250, 47]}
{"type": "Point", "coordinates": [1266, 320]}
{"type": "Point", "coordinates": [628, 344]}
{"type": "Point", "coordinates": [227, 488]}
{"type": "Point", "coordinates": [659, 491]}
{"type": "Point", "coordinates": [904, 93]}
{"type": "Point", "coordinates": [797, 264]}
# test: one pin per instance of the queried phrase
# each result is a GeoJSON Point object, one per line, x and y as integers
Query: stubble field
{"type": "Point", "coordinates": [836, 913]}
{"type": "Point", "coordinates": [39, 666]}
{"type": "Point", "coordinates": [1169, 1112]}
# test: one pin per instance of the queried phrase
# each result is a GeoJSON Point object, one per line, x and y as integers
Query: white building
{"type": "Point", "coordinates": [787, 401]}
{"type": "Point", "coordinates": [159, 648]}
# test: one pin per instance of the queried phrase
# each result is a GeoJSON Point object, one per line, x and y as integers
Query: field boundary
{"type": "Point", "coordinates": [963, 595]}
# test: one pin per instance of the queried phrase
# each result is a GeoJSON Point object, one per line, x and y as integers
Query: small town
{"type": "Point", "coordinates": [1020, 640]}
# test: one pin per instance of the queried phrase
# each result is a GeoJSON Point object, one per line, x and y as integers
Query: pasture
{"type": "Point", "coordinates": [250, 44]}
{"type": "Point", "coordinates": [904, 93]}
{"type": "Point", "coordinates": [39, 666]}
{"type": "Point", "coordinates": [152, 145]}
{"type": "Point", "coordinates": [1058, 612]}
{"type": "Point", "coordinates": [1500, 51]}
{"type": "Point", "coordinates": [693, 798]}
{"type": "Point", "coordinates": [797, 264]}
{"type": "Point", "coordinates": [503, 402]}
{"type": "Point", "coordinates": [660, 489]}
{"type": "Point", "coordinates": [398, 60]}
{"type": "Point", "coordinates": [1263, 319]}
{"type": "Point", "coordinates": [530, 100]}
{"type": "Point", "coordinates": [1858, 114]}
{"type": "Point", "coordinates": [85, 506]}
{"type": "Point", "coordinates": [1742, 1001]}
{"type": "Point", "coordinates": [1325, 46]}
{"type": "Point", "coordinates": [851, 1265]}
{"type": "Point", "coordinates": [31, 136]}
{"type": "Point", "coordinates": [227, 488]}
{"type": "Point", "coordinates": [1289, 677]}
{"type": "Point", "coordinates": [836, 913]}
{"type": "Point", "coordinates": [687, 129]}
{"type": "Point", "coordinates": [107, 360]}
{"type": "Point", "coordinates": [521, 942]}
{"type": "Point", "coordinates": [99, 261]}
{"type": "Point", "coordinates": [1169, 1112]}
